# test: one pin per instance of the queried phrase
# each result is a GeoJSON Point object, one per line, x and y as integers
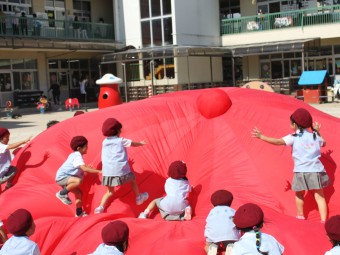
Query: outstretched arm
{"type": "Point", "coordinates": [257, 134]}
{"type": "Point", "coordinates": [17, 144]}
{"type": "Point", "coordinates": [89, 169]}
{"type": "Point", "coordinates": [136, 144]}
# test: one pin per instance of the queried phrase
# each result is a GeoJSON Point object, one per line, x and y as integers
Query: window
{"type": "Point", "coordinates": [25, 80]}
{"type": "Point", "coordinates": [156, 22]}
{"type": "Point", "coordinates": [5, 82]}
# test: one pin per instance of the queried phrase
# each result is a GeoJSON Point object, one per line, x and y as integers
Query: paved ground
{"type": "Point", "coordinates": [32, 122]}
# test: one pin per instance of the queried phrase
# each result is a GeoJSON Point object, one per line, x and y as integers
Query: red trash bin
{"type": "Point", "coordinates": [109, 92]}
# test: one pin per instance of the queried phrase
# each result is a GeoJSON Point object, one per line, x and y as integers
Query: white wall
{"type": "Point", "coordinates": [196, 22]}
{"type": "Point", "coordinates": [132, 23]}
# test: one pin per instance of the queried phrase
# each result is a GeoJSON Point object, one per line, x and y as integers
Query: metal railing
{"type": "Point", "coordinates": [11, 26]}
{"type": "Point", "coordinates": [281, 20]}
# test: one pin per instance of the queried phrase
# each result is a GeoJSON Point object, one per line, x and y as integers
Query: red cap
{"type": "Point", "coordinates": [3, 132]}
{"type": "Point", "coordinates": [78, 141]}
{"type": "Point", "coordinates": [177, 170]}
{"type": "Point", "coordinates": [332, 227]}
{"type": "Point", "coordinates": [111, 127]}
{"type": "Point", "coordinates": [221, 197]}
{"type": "Point", "coordinates": [302, 118]}
{"type": "Point", "coordinates": [19, 222]}
{"type": "Point", "coordinates": [78, 113]}
{"type": "Point", "coordinates": [115, 233]}
{"type": "Point", "coordinates": [248, 216]}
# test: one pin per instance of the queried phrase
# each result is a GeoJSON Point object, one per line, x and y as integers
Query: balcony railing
{"type": "Point", "coordinates": [282, 20]}
{"type": "Point", "coordinates": [12, 26]}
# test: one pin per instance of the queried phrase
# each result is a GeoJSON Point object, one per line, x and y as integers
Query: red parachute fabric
{"type": "Point", "coordinates": [208, 129]}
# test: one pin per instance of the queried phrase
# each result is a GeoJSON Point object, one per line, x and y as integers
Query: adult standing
{"type": "Point", "coordinates": [55, 87]}
{"type": "Point", "coordinates": [2, 22]}
{"type": "Point", "coordinates": [15, 21]}
{"type": "Point", "coordinates": [36, 25]}
{"type": "Point", "coordinates": [82, 85]}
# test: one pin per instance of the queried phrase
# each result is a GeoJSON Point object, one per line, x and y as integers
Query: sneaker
{"type": "Point", "coordinates": [142, 197]}
{"type": "Point", "coordinates": [187, 213]}
{"type": "Point", "coordinates": [99, 209]}
{"type": "Point", "coordinates": [300, 217]}
{"type": "Point", "coordinates": [83, 214]}
{"type": "Point", "coordinates": [213, 248]}
{"type": "Point", "coordinates": [64, 198]}
{"type": "Point", "coordinates": [142, 215]}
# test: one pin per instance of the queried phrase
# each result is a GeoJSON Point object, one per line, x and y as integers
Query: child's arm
{"type": "Point", "coordinates": [89, 169]}
{"type": "Point", "coordinates": [316, 127]}
{"type": "Point", "coordinates": [17, 144]}
{"type": "Point", "coordinates": [3, 235]}
{"type": "Point", "coordinates": [136, 144]}
{"type": "Point", "coordinates": [276, 141]}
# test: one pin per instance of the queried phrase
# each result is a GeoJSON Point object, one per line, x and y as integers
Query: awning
{"type": "Point", "coordinates": [309, 78]}
{"type": "Point", "coordinates": [274, 47]}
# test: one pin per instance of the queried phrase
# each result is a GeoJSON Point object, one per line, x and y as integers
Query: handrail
{"type": "Point", "coordinates": [281, 20]}
{"type": "Point", "coordinates": [13, 26]}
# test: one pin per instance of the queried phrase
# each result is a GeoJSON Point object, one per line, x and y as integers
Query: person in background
{"type": "Point", "coordinates": [21, 225]}
{"type": "Point", "coordinates": [55, 87]}
{"type": "Point", "coordinates": [15, 21]}
{"type": "Point", "coordinates": [36, 25]}
{"type": "Point", "coordinates": [2, 22]}
{"type": "Point", "coordinates": [51, 123]}
{"type": "Point", "coordinates": [115, 236]}
{"type": "Point", "coordinates": [23, 24]}
{"type": "Point", "coordinates": [78, 113]}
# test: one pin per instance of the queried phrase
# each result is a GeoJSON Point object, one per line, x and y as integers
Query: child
{"type": "Point", "coordinates": [220, 229]}
{"type": "Point", "coordinates": [249, 220]}
{"type": "Point", "coordinates": [116, 169]}
{"type": "Point", "coordinates": [70, 175]}
{"type": "Point", "coordinates": [7, 172]}
{"type": "Point", "coordinates": [115, 237]}
{"type": "Point", "coordinates": [21, 225]}
{"type": "Point", "coordinates": [309, 173]}
{"type": "Point", "coordinates": [332, 227]}
{"type": "Point", "coordinates": [174, 206]}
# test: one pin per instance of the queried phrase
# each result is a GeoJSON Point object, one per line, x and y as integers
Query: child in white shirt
{"type": "Point", "coordinates": [249, 220]}
{"type": "Point", "coordinates": [70, 175]}
{"type": "Point", "coordinates": [7, 172]}
{"type": "Point", "coordinates": [21, 225]}
{"type": "Point", "coordinates": [220, 229]}
{"type": "Point", "coordinates": [174, 206]}
{"type": "Point", "coordinates": [332, 227]}
{"type": "Point", "coordinates": [116, 168]}
{"type": "Point", "coordinates": [115, 237]}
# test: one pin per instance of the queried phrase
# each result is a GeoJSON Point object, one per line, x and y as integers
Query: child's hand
{"type": "Point", "coordinates": [316, 126]}
{"type": "Point", "coordinates": [256, 133]}
{"type": "Point", "coordinates": [143, 142]}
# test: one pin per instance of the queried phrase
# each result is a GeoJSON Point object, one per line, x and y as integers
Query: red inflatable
{"type": "Point", "coordinates": [210, 131]}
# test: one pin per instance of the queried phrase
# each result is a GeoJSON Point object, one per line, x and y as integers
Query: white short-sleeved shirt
{"type": "Point", "coordinates": [114, 156]}
{"type": "Point", "coordinates": [5, 159]}
{"type": "Point", "coordinates": [104, 249]}
{"type": "Point", "coordinates": [247, 245]}
{"type": "Point", "coordinates": [176, 193]}
{"type": "Point", "coordinates": [334, 251]}
{"type": "Point", "coordinates": [71, 167]}
{"type": "Point", "coordinates": [305, 151]}
{"type": "Point", "coordinates": [19, 245]}
{"type": "Point", "coordinates": [220, 226]}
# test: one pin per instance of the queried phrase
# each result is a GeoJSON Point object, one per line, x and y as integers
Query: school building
{"type": "Point", "coordinates": [163, 45]}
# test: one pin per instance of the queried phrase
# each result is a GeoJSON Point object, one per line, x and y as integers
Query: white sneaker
{"type": "Point", "coordinates": [142, 197]}
{"type": "Point", "coordinates": [187, 213]}
{"type": "Point", "coordinates": [99, 209]}
{"type": "Point", "coordinates": [63, 198]}
{"type": "Point", "coordinates": [142, 215]}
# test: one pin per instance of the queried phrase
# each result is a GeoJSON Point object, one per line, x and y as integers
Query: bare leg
{"type": "Point", "coordinates": [73, 183]}
{"type": "Point", "coordinates": [151, 206]}
{"type": "Point", "coordinates": [320, 200]}
{"type": "Point", "coordinates": [78, 194]}
{"type": "Point", "coordinates": [299, 200]}
{"type": "Point", "coordinates": [135, 187]}
{"type": "Point", "coordinates": [107, 195]}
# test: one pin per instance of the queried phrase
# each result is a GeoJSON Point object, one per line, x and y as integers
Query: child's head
{"type": "Point", "coordinates": [302, 118]}
{"type": "Point", "coordinates": [221, 197]}
{"type": "Point", "coordinates": [116, 233]}
{"type": "Point", "coordinates": [51, 123]}
{"type": "Point", "coordinates": [79, 143]}
{"type": "Point", "coordinates": [177, 170]}
{"type": "Point", "coordinates": [332, 227]}
{"type": "Point", "coordinates": [4, 135]}
{"type": "Point", "coordinates": [111, 127]}
{"type": "Point", "coordinates": [20, 223]}
{"type": "Point", "coordinates": [78, 113]}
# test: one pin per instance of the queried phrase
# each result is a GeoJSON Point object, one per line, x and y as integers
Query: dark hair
{"type": "Point", "coordinates": [335, 243]}
{"type": "Point", "coordinates": [121, 247]}
{"type": "Point", "coordinates": [257, 235]}
{"type": "Point", "coordinates": [301, 129]}
{"type": "Point", "coordinates": [51, 123]}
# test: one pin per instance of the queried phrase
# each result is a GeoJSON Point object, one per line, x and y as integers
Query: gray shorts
{"type": "Point", "coordinates": [12, 170]}
{"type": "Point", "coordinates": [167, 216]}
{"type": "Point", "coordinates": [310, 181]}
{"type": "Point", "coordinates": [63, 182]}
{"type": "Point", "coordinates": [114, 181]}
